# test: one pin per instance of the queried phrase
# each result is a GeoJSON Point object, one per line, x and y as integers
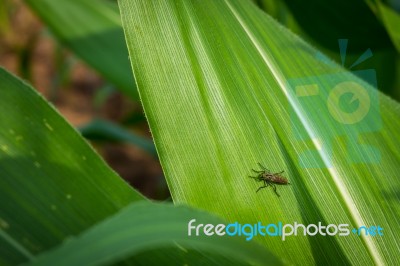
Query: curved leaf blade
{"type": "Point", "coordinates": [52, 184]}
{"type": "Point", "coordinates": [217, 80]}
{"type": "Point", "coordinates": [100, 129]}
{"type": "Point", "coordinates": [148, 226]}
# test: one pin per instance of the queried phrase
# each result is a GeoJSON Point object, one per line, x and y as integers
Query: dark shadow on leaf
{"type": "Point", "coordinates": [39, 197]}
{"type": "Point", "coordinates": [325, 249]}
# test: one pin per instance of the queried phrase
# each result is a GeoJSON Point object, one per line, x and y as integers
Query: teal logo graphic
{"type": "Point", "coordinates": [340, 108]}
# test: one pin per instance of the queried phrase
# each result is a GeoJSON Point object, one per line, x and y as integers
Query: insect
{"type": "Point", "coordinates": [269, 178]}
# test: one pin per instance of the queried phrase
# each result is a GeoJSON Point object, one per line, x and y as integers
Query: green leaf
{"type": "Point", "coordinates": [99, 129]}
{"type": "Point", "coordinates": [224, 86]}
{"type": "Point", "coordinates": [384, 61]}
{"type": "Point", "coordinates": [391, 21]}
{"type": "Point", "coordinates": [52, 184]}
{"type": "Point", "coordinates": [326, 23]}
{"type": "Point", "coordinates": [148, 226]}
{"type": "Point", "coordinates": [360, 38]}
{"type": "Point", "coordinates": [93, 31]}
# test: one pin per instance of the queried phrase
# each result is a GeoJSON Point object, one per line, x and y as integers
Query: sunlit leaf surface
{"type": "Point", "coordinates": [224, 87]}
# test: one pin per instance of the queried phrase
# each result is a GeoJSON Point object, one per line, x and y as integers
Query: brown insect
{"type": "Point", "coordinates": [269, 178]}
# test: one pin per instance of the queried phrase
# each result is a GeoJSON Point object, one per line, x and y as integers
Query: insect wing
{"type": "Point", "coordinates": [279, 179]}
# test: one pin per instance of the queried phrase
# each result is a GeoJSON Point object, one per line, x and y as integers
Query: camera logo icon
{"type": "Point", "coordinates": [338, 115]}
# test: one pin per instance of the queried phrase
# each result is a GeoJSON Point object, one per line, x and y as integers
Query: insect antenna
{"type": "Point", "coordinates": [255, 171]}
{"type": "Point", "coordinates": [265, 169]}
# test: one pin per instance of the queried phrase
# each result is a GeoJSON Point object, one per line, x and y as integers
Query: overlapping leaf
{"type": "Point", "coordinates": [149, 227]}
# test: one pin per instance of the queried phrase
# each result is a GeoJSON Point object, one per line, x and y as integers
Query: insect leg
{"type": "Point", "coordinates": [274, 187]}
{"type": "Point", "coordinates": [260, 188]}
{"type": "Point", "coordinates": [265, 185]}
{"type": "Point", "coordinates": [257, 178]}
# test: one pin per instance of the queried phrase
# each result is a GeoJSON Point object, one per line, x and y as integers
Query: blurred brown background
{"type": "Point", "coordinates": [28, 49]}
